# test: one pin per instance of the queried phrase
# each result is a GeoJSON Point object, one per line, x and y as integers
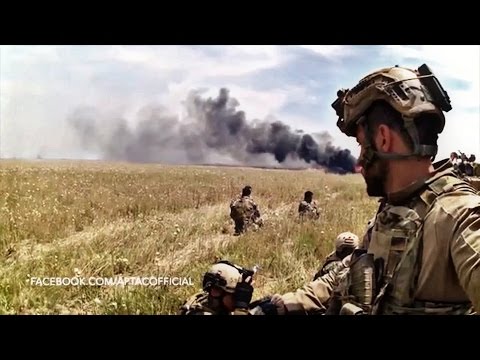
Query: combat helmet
{"type": "Point", "coordinates": [223, 275]}
{"type": "Point", "coordinates": [410, 92]}
{"type": "Point", "coordinates": [346, 240]}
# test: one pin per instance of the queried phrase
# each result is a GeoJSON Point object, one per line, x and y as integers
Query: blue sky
{"type": "Point", "coordinates": [41, 85]}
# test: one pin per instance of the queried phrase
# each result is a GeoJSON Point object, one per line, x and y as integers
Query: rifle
{"type": "Point", "coordinates": [249, 273]}
{"type": "Point", "coordinates": [263, 306]}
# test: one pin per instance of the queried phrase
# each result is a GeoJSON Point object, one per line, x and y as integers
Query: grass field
{"type": "Point", "coordinates": [97, 219]}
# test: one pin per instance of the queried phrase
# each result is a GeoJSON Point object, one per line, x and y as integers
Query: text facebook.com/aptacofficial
{"type": "Point", "coordinates": [111, 281]}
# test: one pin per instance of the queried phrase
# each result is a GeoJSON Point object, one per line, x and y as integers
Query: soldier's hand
{"type": "Point", "coordinates": [269, 308]}
{"type": "Point", "coordinates": [279, 304]}
{"type": "Point", "coordinates": [243, 295]}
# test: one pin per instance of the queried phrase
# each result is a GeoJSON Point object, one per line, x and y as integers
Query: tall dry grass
{"type": "Point", "coordinates": [97, 219]}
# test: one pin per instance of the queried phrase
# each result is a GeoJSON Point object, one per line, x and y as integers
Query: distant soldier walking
{"type": "Point", "coordinates": [308, 208]}
{"type": "Point", "coordinates": [244, 212]}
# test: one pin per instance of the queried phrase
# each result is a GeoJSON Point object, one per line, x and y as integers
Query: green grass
{"type": "Point", "coordinates": [96, 219]}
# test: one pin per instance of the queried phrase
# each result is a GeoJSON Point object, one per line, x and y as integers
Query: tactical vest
{"type": "Point", "coordinates": [241, 209]}
{"type": "Point", "coordinates": [330, 263]}
{"type": "Point", "coordinates": [309, 210]}
{"type": "Point", "coordinates": [383, 278]}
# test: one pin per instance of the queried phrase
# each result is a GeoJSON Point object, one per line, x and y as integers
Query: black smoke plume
{"type": "Point", "coordinates": [213, 131]}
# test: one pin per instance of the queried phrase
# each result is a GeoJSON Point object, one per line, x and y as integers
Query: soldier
{"type": "Point", "coordinates": [454, 160]}
{"type": "Point", "coordinates": [345, 243]}
{"type": "Point", "coordinates": [469, 165]}
{"type": "Point", "coordinates": [475, 165]}
{"type": "Point", "coordinates": [421, 254]}
{"type": "Point", "coordinates": [245, 212]}
{"type": "Point", "coordinates": [308, 208]}
{"type": "Point", "coordinates": [472, 172]}
{"type": "Point", "coordinates": [225, 292]}
{"type": "Point", "coordinates": [462, 163]}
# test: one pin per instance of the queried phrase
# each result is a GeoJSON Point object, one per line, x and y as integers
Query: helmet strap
{"type": "Point", "coordinates": [419, 150]}
{"type": "Point", "coordinates": [369, 154]}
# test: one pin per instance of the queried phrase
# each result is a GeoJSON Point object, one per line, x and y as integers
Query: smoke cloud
{"type": "Point", "coordinates": [213, 131]}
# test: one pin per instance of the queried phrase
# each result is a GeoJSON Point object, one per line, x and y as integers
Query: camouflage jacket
{"type": "Point", "coordinates": [198, 305]}
{"type": "Point", "coordinates": [246, 208]}
{"type": "Point", "coordinates": [309, 210]}
{"type": "Point", "coordinates": [474, 181]}
{"type": "Point", "coordinates": [331, 262]}
{"type": "Point", "coordinates": [424, 244]}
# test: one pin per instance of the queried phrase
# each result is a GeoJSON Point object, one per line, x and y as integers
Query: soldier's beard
{"type": "Point", "coordinates": [375, 177]}
{"type": "Point", "coordinates": [216, 303]}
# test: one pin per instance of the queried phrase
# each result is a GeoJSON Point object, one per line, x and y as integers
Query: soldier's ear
{"type": "Point", "coordinates": [384, 138]}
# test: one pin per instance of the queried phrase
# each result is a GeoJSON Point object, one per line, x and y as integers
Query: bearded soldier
{"type": "Point", "coordinates": [421, 253]}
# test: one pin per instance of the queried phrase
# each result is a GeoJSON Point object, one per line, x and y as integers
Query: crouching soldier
{"type": "Point", "coordinates": [244, 212]}
{"type": "Point", "coordinates": [345, 243]}
{"type": "Point", "coordinates": [308, 208]}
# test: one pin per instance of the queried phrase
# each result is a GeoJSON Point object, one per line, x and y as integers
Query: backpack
{"type": "Point", "coordinates": [238, 209]}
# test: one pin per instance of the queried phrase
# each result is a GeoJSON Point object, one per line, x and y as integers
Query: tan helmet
{"type": "Point", "coordinates": [346, 240]}
{"type": "Point", "coordinates": [410, 92]}
{"type": "Point", "coordinates": [222, 275]}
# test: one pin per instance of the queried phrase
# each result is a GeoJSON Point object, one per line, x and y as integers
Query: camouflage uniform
{"type": "Point", "coordinates": [474, 181]}
{"type": "Point", "coordinates": [474, 177]}
{"type": "Point", "coordinates": [331, 262]}
{"type": "Point", "coordinates": [198, 304]}
{"type": "Point", "coordinates": [432, 266]}
{"type": "Point", "coordinates": [245, 213]}
{"type": "Point", "coordinates": [421, 253]}
{"type": "Point", "coordinates": [345, 243]}
{"type": "Point", "coordinates": [227, 280]}
{"type": "Point", "coordinates": [308, 210]}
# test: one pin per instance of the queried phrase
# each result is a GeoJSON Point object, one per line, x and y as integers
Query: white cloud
{"type": "Point", "coordinates": [330, 51]}
{"type": "Point", "coordinates": [231, 61]}
{"type": "Point", "coordinates": [451, 63]}
{"type": "Point", "coordinates": [462, 132]}
{"type": "Point", "coordinates": [20, 53]}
